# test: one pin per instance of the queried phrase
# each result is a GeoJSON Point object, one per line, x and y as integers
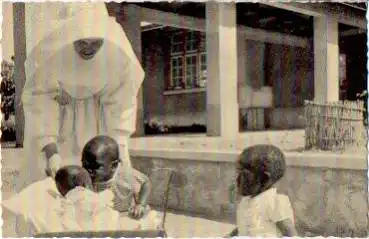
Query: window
{"type": "Point", "coordinates": [188, 60]}
{"type": "Point", "coordinates": [191, 42]}
{"type": "Point", "coordinates": [177, 71]}
{"type": "Point", "coordinates": [191, 70]}
{"type": "Point", "coordinates": [177, 43]}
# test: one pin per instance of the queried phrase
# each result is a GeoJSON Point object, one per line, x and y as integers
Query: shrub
{"type": "Point", "coordinates": [7, 91]}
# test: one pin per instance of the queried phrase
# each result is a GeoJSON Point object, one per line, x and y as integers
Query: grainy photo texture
{"type": "Point", "coordinates": [184, 119]}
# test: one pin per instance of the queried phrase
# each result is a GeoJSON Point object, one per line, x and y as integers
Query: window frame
{"type": "Point", "coordinates": [172, 83]}
{"type": "Point", "coordinates": [195, 78]}
{"type": "Point", "coordinates": [186, 52]}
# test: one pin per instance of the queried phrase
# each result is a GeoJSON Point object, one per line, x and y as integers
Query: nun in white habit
{"type": "Point", "coordinates": [82, 81]}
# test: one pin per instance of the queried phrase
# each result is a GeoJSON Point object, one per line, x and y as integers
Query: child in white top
{"type": "Point", "coordinates": [261, 211]}
{"type": "Point", "coordinates": [125, 189]}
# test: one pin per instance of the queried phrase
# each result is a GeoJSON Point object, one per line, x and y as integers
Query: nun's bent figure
{"type": "Point", "coordinates": [82, 81]}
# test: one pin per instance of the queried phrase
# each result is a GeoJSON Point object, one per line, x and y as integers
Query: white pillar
{"type": "Point", "coordinates": [326, 59]}
{"type": "Point", "coordinates": [221, 39]}
{"type": "Point", "coordinates": [130, 20]}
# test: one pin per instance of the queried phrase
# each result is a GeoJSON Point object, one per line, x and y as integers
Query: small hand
{"type": "Point", "coordinates": [52, 165]}
{"type": "Point", "coordinates": [233, 233]}
{"type": "Point", "coordinates": [137, 211]}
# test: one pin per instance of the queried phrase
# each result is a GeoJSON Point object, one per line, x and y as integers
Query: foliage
{"type": "Point", "coordinates": [7, 92]}
{"type": "Point", "coordinates": [155, 127]}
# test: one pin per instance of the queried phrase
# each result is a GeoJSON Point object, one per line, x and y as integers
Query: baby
{"type": "Point", "coordinates": [261, 210]}
{"type": "Point", "coordinates": [85, 210]}
{"type": "Point", "coordinates": [82, 208]}
{"type": "Point", "coordinates": [71, 178]}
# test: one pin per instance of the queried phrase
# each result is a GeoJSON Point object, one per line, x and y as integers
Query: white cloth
{"type": "Point", "coordinates": [39, 208]}
{"type": "Point", "coordinates": [34, 208]}
{"type": "Point", "coordinates": [257, 216]}
{"type": "Point", "coordinates": [104, 89]}
{"type": "Point", "coordinates": [84, 210]}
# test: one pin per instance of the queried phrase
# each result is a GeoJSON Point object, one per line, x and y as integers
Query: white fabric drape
{"type": "Point", "coordinates": [50, 212]}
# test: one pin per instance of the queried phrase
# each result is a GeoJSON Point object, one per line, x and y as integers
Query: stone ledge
{"type": "Point", "coordinates": [295, 159]}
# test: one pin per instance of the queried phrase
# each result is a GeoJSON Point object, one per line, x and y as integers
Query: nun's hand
{"type": "Point", "coordinates": [63, 98]}
{"type": "Point", "coordinates": [52, 165]}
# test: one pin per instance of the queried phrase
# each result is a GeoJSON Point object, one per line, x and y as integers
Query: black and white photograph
{"type": "Point", "coordinates": [184, 119]}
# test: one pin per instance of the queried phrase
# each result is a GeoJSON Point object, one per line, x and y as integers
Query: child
{"type": "Point", "coordinates": [126, 188]}
{"type": "Point", "coordinates": [261, 211]}
{"type": "Point", "coordinates": [123, 188]}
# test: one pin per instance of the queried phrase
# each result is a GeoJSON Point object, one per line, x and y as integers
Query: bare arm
{"type": "Point", "coordinates": [287, 228]}
{"type": "Point", "coordinates": [143, 189]}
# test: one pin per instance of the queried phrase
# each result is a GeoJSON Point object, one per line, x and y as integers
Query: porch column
{"type": "Point", "coordinates": [326, 59]}
{"type": "Point", "coordinates": [221, 46]}
{"type": "Point", "coordinates": [20, 54]}
{"type": "Point", "coordinates": [130, 20]}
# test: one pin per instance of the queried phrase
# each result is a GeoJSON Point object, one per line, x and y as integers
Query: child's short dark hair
{"type": "Point", "coordinates": [100, 157]}
{"type": "Point", "coordinates": [264, 158]}
{"type": "Point", "coordinates": [69, 177]}
{"type": "Point", "coordinates": [101, 147]}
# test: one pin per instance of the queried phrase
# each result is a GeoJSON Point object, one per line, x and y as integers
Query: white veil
{"type": "Point", "coordinates": [52, 58]}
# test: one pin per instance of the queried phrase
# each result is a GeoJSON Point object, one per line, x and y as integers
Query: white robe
{"type": "Point", "coordinates": [104, 89]}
